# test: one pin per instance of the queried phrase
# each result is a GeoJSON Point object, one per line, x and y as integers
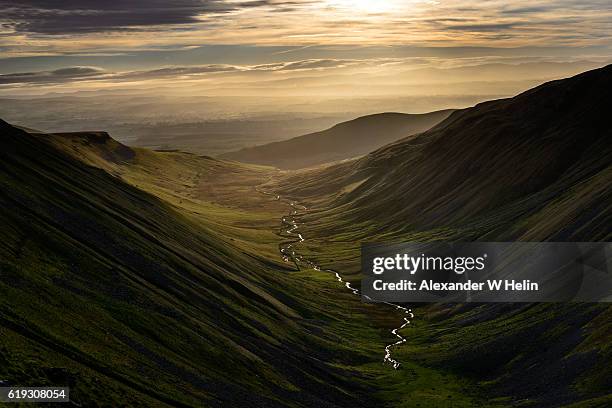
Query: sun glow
{"type": "Point", "coordinates": [365, 6]}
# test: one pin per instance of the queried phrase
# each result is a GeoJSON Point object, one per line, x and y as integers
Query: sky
{"type": "Point", "coordinates": [230, 47]}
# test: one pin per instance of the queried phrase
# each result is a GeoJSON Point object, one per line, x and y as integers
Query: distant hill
{"type": "Point", "coordinates": [544, 152]}
{"type": "Point", "coordinates": [535, 167]}
{"type": "Point", "coordinates": [343, 141]}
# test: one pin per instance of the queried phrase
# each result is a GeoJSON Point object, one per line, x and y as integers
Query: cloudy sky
{"type": "Point", "coordinates": [87, 44]}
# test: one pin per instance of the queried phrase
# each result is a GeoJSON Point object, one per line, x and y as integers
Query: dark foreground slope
{"type": "Point", "coordinates": [108, 289]}
{"type": "Point", "coordinates": [343, 141]}
{"type": "Point", "coordinates": [534, 167]}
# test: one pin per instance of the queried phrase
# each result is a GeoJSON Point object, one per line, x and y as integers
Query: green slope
{"type": "Point", "coordinates": [132, 300]}
{"type": "Point", "coordinates": [343, 141]}
{"type": "Point", "coordinates": [534, 167]}
{"type": "Point", "coordinates": [146, 278]}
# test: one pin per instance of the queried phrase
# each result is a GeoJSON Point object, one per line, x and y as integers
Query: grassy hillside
{"type": "Point", "coordinates": [146, 278]}
{"type": "Point", "coordinates": [154, 279]}
{"type": "Point", "coordinates": [135, 300]}
{"type": "Point", "coordinates": [534, 167]}
{"type": "Point", "coordinates": [343, 141]}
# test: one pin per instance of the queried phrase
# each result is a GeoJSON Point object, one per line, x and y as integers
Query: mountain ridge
{"type": "Point", "coordinates": [473, 154]}
{"type": "Point", "coordinates": [536, 167]}
{"type": "Point", "coordinates": [342, 141]}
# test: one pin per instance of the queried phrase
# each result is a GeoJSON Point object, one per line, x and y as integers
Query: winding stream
{"type": "Point", "coordinates": [290, 229]}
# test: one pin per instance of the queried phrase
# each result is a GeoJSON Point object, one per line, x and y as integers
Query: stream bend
{"type": "Point", "coordinates": [290, 230]}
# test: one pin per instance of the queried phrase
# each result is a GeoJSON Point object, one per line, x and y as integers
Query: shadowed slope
{"type": "Point", "coordinates": [343, 141]}
{"type": "Point", "coordinates": [115, 292]}
{"type": "Point", "coordinates": [502, 159]}
{"type": "Point", "coordinates": [535, 167]}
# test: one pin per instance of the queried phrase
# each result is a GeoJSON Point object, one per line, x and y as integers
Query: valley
{"type": "Point", "coordinates": [464, 184]}
{"type": "Point", "coordinates": [165, 278]}
{"type": "Point", "coordinates": [306, 204]}
{"type": "Point", "coordinates": [173, 256]}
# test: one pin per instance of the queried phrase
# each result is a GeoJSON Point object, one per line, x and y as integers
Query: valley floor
{"type": "Point", "coordinates": [362, 327]}
{"type": "Point", "coordinates": [362, 330]}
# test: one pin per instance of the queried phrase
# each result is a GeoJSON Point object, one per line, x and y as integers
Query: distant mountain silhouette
{"type": "Point", "coordinates": [546, 151]}
{"type": "Point", "coordinates": [343, 141]}
{"type": "Point", "coordinates": [536, 167]}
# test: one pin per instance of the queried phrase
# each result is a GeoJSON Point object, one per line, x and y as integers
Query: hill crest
{"type": "Point", "coordinates": [343, 141]}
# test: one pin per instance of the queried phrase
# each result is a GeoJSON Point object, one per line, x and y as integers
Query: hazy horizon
{"type": "Point", "coordinates": [131, 67]}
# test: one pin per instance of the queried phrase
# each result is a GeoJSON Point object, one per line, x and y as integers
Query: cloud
{"type": "Point", "coordinates": [80, 73]}
{"type": "Point", "coordinates": [526, 10]}
{"type": "Point", "coordinates": [307, 64]}
{"type": "Point", "coordinates": [55, 76]}
{"type": "Point", "coordinates": [61, 28]}
{"type": "Point", "coordinates": [482, 27]}
{"type": "Point", "coordinates": [175, 72]}
{"type": "Point", "coordinates": [464, 67]}
{"type": "Point", "coordinates": [52, 17]}
{"type": "Point", "coordinates": [76, 74]}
